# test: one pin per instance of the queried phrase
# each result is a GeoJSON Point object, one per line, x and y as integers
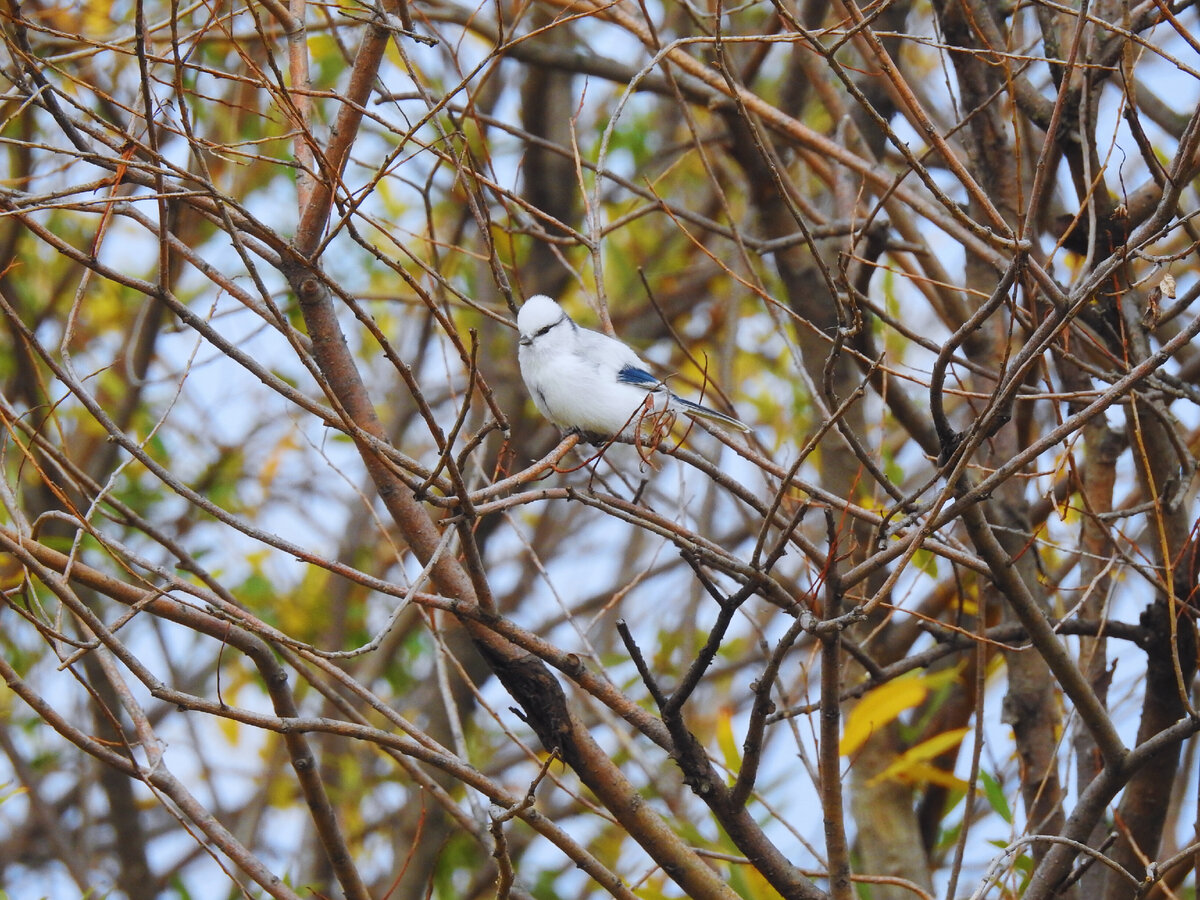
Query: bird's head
{"type": "Point", "coordinates": [539, 316]}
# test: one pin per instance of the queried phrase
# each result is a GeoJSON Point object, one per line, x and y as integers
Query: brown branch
{"type": "Point", "coordinates": [153, 602]}
{"type": "Point", "coordinates": [315, 213]}
{"type": "Point", "coordinates": [829, 761]}
{"type": "Point", "coordinates": [1095, 717]}
{"type": "Point", "coordinates": [156, 776]}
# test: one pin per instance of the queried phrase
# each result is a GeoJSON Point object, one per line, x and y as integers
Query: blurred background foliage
{"type": "Point", "coordinates": [781, 206]}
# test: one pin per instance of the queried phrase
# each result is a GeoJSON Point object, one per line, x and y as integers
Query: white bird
{"type": "Point", "coordinates": [588, 382]}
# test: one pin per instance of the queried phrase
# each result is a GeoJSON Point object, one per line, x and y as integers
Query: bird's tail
{"type": "Point", "coordinates": [687, 407]}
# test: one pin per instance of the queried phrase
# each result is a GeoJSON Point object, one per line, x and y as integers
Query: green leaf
{"type": "Point", "coordinates": [995, 796]}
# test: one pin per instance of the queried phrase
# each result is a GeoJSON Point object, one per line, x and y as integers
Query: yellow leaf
{"type": "Point", "coordinates": [924, 773]}
{"type": "Point", "coordinates": [877, 708]}
{"type": "Point", "coordinates": [748, 881]}
{"type": "Point", "coordinates": [913, 764]}
{"type": "Point", "coordinates": [12, 573]}
{"type": "Point", "coordinates": [270, 467]}
{"type": "Point", "coordinates": [884, 704]}
{"type": "Point", "coordinates": [969, 607]}
{"type": "Point", "coordinates": [726, 741]}
{"type": "Point", "coordinates": [230, 729]}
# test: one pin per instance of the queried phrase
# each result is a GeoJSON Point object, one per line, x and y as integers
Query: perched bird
{"type": "Point", "coordinates": [588, 382]}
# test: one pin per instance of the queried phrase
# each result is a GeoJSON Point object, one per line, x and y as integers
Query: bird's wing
{"type": "Point", "coordinates": [636, 375]}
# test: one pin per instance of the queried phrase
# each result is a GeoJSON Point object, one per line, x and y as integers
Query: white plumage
{"type": "Point", "coordinates": [585, 381]}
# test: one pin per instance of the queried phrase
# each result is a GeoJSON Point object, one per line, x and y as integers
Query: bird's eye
{"type": "Point", "coordinates": [544, 329]}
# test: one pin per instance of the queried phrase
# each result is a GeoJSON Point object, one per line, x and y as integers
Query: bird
{"type": "Point", "coordinates": [589, 383]}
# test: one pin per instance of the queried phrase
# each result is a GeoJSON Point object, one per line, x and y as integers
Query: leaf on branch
{"type": "Point", "coordinates": [731, 754]}
{"type": "Point", "coordinates": [884, 704]}
{"type": "Point", "coordinates": [913, 765]}
{"type": "Point", "coordinates": [994, 792]}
